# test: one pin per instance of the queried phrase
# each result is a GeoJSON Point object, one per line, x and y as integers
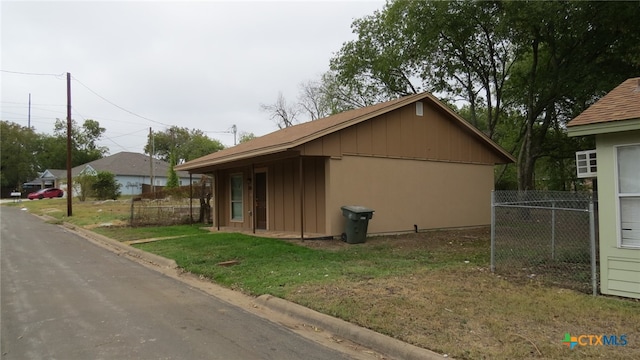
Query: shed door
{"type": "Point", "coordinates": [261, 200]}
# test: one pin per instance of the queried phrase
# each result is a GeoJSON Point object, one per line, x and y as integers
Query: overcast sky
{"type": "Point", "coordinates": [206, 65]}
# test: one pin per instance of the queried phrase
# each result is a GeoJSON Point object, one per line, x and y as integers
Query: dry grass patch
{"type": "Point", "coordinates": [468, 313]}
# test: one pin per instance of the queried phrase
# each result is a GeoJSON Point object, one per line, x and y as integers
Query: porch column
{"type": "Point", "coordinates": [301, 200]}
{"type": "Point", "coordinates": [217, 198]}
{"type": "Point", "coordinates": [190, 199]}
{"type": "Point", "coordinates": [252, 184]}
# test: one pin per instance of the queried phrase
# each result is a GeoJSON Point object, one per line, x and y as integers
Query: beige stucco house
{"type": "Point", "coordinates": [615, 122]}
{"type": "Point", "coordinates": [412, 160]}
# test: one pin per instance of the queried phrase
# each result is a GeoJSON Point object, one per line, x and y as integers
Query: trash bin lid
{"type": "Point", "coordinates": [357, 209]}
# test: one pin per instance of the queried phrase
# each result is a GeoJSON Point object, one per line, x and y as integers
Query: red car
{"type": "Point", "coordinates": [46, 193]}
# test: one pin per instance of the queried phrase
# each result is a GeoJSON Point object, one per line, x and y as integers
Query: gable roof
{"type": "Point", "coordinates": [621, 103]}
{"type": "Point", "coordinates": [293, 136]}
{"type": "Point", "coordinates": [128, 164]}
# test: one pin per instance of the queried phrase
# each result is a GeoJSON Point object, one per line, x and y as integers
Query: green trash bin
{"type": "Point", "coordinates": [356, 223]}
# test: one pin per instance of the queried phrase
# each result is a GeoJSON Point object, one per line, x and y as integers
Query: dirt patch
{"type": "Point", "coordinates": [424, 240]}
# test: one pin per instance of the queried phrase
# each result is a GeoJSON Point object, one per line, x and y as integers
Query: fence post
{"type": "Point", "coordinates": [553, 230]}
{"type": "Point", "coordinates": [493, 231]}
{"type": "Point", "coordinates": [592, 236]}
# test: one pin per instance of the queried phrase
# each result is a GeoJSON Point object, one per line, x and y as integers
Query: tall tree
{"type": "Point", "coordinates": [570, 53]}
{"type": "Point", "coordinates": [544, 62]}
{"type": "Point", "coordinates": [184, 143]}
{"type": "Point", "coordinates": [282, 113]}
{"type": "Point", "coordinates": [84, 147]}
{"type": "Point", "coordinates": [19, 154]}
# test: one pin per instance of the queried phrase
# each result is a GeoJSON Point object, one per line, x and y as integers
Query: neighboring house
{"type": "Point", "coordinates": [132, 170]}
{"type": "Point", "coordinates": [412, 160]}
{"type": "Point", "coordinates": [615, 122]}
{"type": "Point", "coordinates": [49, 178]}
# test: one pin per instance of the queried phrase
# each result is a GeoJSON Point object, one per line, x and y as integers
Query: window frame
{"type": "Point", "coordinates": [620, 195]}
{"type": "Point", "coordinates": [233, 218]}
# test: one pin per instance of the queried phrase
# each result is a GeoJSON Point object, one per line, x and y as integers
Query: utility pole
{"type": "Point", "coordinates": [151, 150]}
{"type": "Point", "coordinates": [69, 180]}
{"type": "Point", "coordinates": [235, 130]}
{"type": "Point", "coordinates": [29, 117]}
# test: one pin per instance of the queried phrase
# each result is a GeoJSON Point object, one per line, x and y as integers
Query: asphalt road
{"type": "Point", "coordinates": [63, 297]}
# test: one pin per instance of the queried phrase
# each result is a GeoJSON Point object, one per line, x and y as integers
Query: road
{"type": "Point", "coordinates": [63, 297]}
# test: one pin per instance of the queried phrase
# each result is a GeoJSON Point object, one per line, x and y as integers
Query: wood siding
{"type": "Point", "coordinates": [283, 195]}
{"type": "Point", "coordinates": [403, 134]}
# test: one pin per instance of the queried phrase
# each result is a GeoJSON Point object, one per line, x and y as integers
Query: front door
{"type": "Point", "coordinates": [261, 200]}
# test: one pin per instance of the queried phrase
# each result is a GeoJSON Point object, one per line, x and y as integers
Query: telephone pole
{"type": "Point", "coordinates": [69, 180]}
{"type": "Point", "coordinates": [29, 117]}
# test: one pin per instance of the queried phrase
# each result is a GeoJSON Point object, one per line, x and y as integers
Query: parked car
{"type": "Point", "coordinates": [46, 193]}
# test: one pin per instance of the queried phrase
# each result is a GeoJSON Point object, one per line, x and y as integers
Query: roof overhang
{"type": "Point", "coordinates": [285, 148]}
{"type": "Point", "coordinates": [603, 127]}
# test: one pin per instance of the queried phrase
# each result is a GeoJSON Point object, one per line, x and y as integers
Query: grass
{"type": "Point", "coordinates": [430, 289]}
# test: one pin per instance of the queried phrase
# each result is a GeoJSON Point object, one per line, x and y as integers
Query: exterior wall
{"type": "Point", "coordinates": [283, 195]}
{"type": "Point", "coordinates": [132, 185]}
{"type": "Point", "coordinates": [404, 192]}
{"type": "Point", "coordinates": [619, 267]}
{"type": "Point", "coordinates": [403, 134]}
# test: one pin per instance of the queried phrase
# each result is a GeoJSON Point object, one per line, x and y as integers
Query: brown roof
{"type": "Point", "coordinates": [621, 103]}
{"type": "Point", "coordinates": [296, 135]}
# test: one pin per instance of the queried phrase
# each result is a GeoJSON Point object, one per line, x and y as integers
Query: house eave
{"type": "Point", "coordinates": [603, 127]}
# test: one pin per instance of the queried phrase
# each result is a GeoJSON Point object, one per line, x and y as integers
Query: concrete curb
{"type": "Point", "coordinates": [120, 248]}
{"type": "Point", "coordinates": [368, 338]}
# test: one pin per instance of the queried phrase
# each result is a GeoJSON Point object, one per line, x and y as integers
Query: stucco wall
{"type": "Point", "coordinates": [619, 267]}
{"type": "Point", "coordinates": [404, 192]}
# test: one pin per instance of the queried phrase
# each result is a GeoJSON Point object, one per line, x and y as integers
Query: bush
{"type": "Point", "coordinates": [83, 184]}
{"type": "Point", "coordinates": [106, 187]}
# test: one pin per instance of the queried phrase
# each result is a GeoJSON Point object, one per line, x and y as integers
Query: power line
{"type": "Point", "coordinates": [116, 105]}
{"type": "Point", "coordinates": [60, 76]}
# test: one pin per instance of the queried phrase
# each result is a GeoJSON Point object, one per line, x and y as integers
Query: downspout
{"type": "Point", "coordinates": [301, 200]}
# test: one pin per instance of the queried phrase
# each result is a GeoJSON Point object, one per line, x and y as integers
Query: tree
{"type": "Point", "coordinates": [184, 143]}
{"type": "Point", "coordinates": [538, 63]}
{"type": "Point", "coordinates": [84, 148]}
{"type": "Point", "coordinates": [105, 186]}
{"type": "Point", "coordinates": [83, 185]}
{"type": "Point", "coordinates": [19, 154]}
{"type": "Point", "coordinates": [562, 69]}
{"type": "Point", "coordinates": [172, 177]}
{"type": "Point", "coordinates": [283, 114]}
{"type": "Point", "coordinates": [246, 136]}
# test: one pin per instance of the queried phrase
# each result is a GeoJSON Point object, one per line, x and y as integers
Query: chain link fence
{"type": "Point", "coordinates": [546, 235]}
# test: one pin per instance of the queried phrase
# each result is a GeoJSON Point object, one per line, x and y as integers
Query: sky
{"type": "Point", "coordinates": [204, 65]}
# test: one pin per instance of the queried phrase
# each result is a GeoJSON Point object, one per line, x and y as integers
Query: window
{"type": "Point", "coordinates": [236, 197]}
{"type": "Point", "coordinates": [628, 161]}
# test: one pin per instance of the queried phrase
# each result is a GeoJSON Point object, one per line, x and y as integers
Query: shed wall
{"type": "Point", "coordinates": [404, 192]}
{"type": "Point", "coordinates": [403, 134]}
{"type": "Point", "coordinates": [283, 195]}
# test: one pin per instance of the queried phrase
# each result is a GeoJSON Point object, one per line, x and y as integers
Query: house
{"type": "Point", "coordinates": [614, 120]}
{"type": "Point", "coordinates": [48, 178]}
{"type": "Point", "coordinates": [412, 160]}
{"type": "Point", "coordinates": [132, 170]}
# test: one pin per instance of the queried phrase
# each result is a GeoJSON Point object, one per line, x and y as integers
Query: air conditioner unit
{"type": "Point", "coordinates": [586, 164]}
